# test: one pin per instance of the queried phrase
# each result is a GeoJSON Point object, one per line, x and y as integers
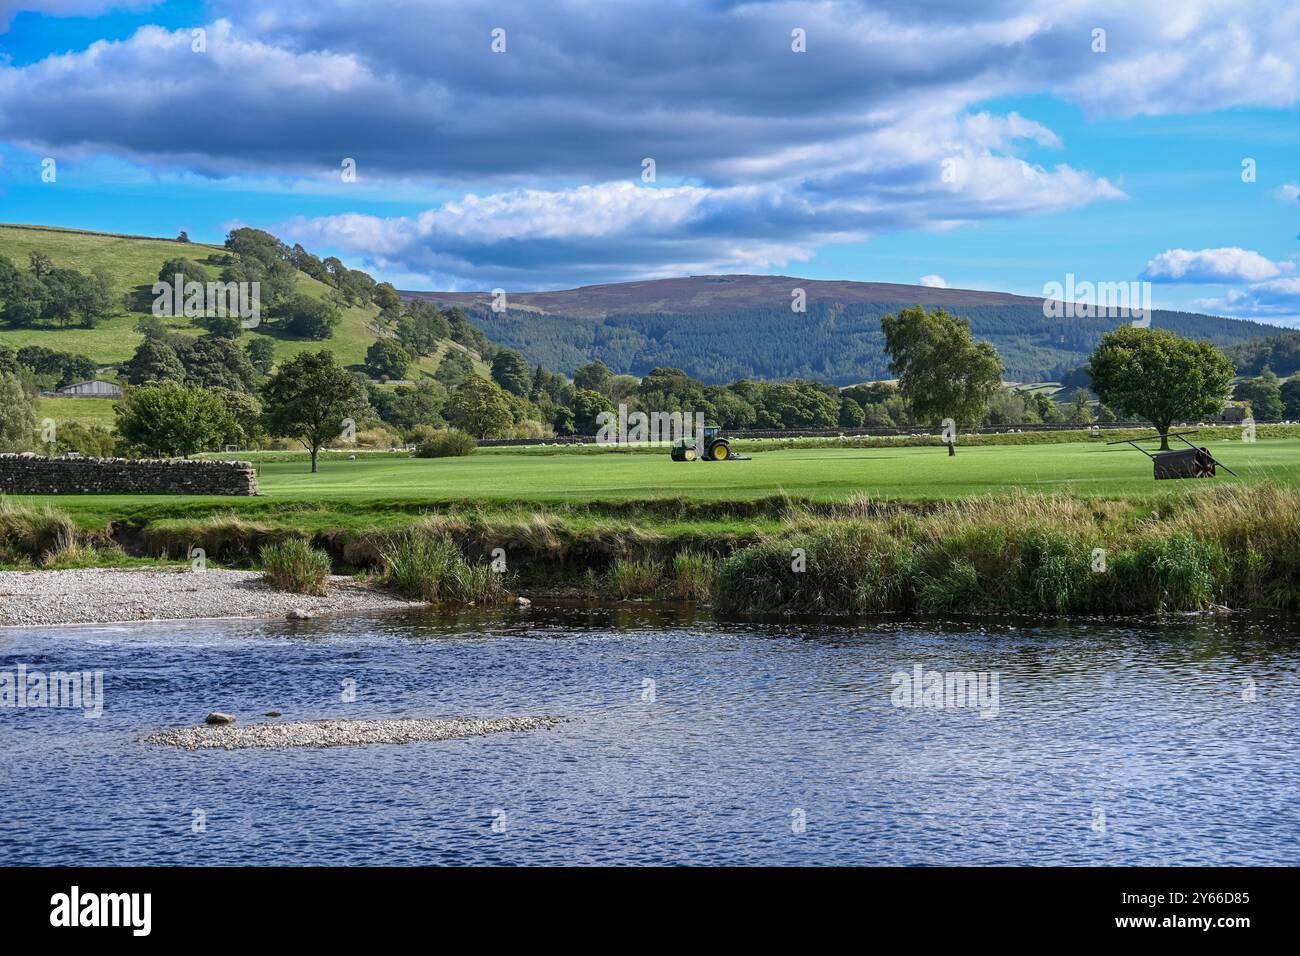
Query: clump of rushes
{"type": "Point", "coordinates": [842, 569]}
{"type": "Point", "coordinates": [295, 566]}
{"type": "Point", "coordinates": [429, 566]}
{"type": "Point", "coordinates": [694, 575]}
{"type": "Point", "coordinates": [34, 534]}
{"type": "Point", "coordinates": [81, 554]}
{"type": "Point", "coordinates": [629, 578]}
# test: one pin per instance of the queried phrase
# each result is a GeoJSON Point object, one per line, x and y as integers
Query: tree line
{"type": "Point", "coordinates": [196, 396]}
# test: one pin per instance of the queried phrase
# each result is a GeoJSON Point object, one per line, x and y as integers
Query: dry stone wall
{"type": "Point", "coordinates": [37, 475]}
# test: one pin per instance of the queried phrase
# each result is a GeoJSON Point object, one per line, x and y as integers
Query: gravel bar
{"type": "Point", "coordinates": [111, 595]}
{"type": "Point", "coordinates": [342, 733]}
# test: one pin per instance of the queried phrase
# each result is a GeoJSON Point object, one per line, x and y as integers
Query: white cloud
{"type": "Point", "coordinates": [1231, 264]}
{"type": "Point", "coordinates": [762, 154]}
{"type": "Point", "coordinates": [1200, 55]}
{"type": "Point", "coordinates": [1288, 192]}
{"type": "Point", "coordinates": [934, 282]}
{"type": "Point", "coordinates": [617, 230]}
{"type": "Point", "coordinates": [1276, 299]}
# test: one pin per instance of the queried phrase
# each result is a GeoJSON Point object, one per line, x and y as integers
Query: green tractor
{"type": "Point", "coordinates": [712, 447]}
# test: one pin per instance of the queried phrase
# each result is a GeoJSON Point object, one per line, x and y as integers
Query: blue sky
{"type": "Point", "coordinates": [989, 148]}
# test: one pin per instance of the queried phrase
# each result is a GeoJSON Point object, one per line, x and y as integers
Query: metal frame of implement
{"type": "Point", "coordinates": [1179, 435]}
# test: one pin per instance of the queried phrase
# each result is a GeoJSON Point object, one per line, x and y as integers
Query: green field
{"type": "Point", "coordinates": [822, 474]}
{"type": "Point", "coordinates": [133, 263]}
{"type": "Point", "coordinates": [88, 411]}
{"type": "Point", "coordinates": [379, 484]}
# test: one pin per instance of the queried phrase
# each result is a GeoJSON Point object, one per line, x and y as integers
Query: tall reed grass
{"type": "Point", "coordinates": [37, 534]}
{"type": "Point", "coordinates": [1192, 546]}
{"type": "Point", "coordinates": [1027, 553]}
{"type": "Point", "coordinates": [694, 576]}
{"type": "Point", "coordinates": [634, 577]}
{"type": "Point", "coordinates": [295, 566]}
{"type": "Point", "coordinates": [423, 563]}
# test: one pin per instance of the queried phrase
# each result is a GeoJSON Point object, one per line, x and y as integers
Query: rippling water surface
{"type": "Point", "coordinates": [754, 744]}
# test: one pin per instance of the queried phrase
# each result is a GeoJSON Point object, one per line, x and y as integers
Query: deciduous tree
{"type": "Point", "coordinates": [481, 408]}
{"type": "Point", "coordinates": [17, 416]}
{"type": "Point", "coordinates": [309, 398]}
{"type": "Point", "coordinates": [171, 419]}
{"type": "Point", "coordinates": [942, 371]}
{"type": "Point", "coordinates": [1159, 376]}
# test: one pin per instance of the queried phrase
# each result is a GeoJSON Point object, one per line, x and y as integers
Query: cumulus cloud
{"type": "Point", "coordinates": [619, 230]}
{"type": "Point", "coordinates": [1276, 299]}
{"type": "Point", "coordinates": [297, 88]}
{"type": "Point", "coordinates": [1229, 265]}
{"type": "Point", "coordinates": [609, 231]}
{"type": "Point", "coordinates": [934, 282]}
{"type": "Point", "coordinates": [1288, 192]}
{"type": "Point", "coordinates": [762, 154]}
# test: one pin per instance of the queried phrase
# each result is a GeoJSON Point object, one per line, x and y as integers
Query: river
{"type": "Point", "coordinates": [691, 741]}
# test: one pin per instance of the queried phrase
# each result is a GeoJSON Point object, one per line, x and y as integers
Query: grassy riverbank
{"type": "Point", "coordinates": [1184, 549]}
{"type": "Point", "coordinates": [1067, 527]}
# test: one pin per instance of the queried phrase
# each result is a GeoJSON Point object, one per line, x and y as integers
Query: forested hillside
{"type": "Point", "coordinates": [1279, 353]}
{"type": "Point", "coordinates": [720, 337]}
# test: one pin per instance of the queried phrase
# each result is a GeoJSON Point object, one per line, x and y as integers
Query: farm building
{"type": "Point", "coordinates": [92, 389]}
{"type": "Point", "coordinates": [1233, 413]}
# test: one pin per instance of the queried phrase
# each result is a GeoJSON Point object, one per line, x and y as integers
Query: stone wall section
{"type": "Point", "coordinates": [37, 475]}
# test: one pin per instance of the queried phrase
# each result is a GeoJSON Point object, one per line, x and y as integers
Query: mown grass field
{"type": "Point", "coordinates": [358, 491]}
{"type": "Point", "coordinates": [820, 474]}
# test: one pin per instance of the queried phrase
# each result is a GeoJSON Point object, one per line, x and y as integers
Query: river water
{"type": "Point", "coordinates": [690, 741]}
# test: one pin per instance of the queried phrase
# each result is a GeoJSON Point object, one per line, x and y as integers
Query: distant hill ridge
{"type": "Point", "coordinates": [718, 328]}
{"type": "Point", "coordinates": [691, 293]}
{"type": "Point", "coordinates": [724, 327]}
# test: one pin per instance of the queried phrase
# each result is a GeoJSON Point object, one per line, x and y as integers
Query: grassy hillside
{"type": "Point", "coordinates": [133, 263]}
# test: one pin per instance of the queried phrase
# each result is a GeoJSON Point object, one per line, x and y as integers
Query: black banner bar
{"type": "Point", "coordinates": [236, 905]}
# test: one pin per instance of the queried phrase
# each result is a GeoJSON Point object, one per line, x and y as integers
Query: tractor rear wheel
{"type": "Point", "coordinates": [720, 451]}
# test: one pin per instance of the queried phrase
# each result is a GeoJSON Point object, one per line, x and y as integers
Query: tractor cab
{"type": "Point", "coordinates": [711, 446]}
